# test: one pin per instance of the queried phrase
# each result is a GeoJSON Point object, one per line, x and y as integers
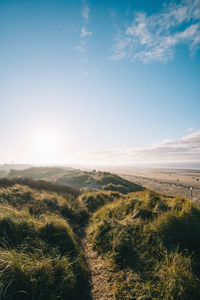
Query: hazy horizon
{"type": "Point", "coordinates": [91, 166]}
{"type": "Point", "coordinates": [100, 83]}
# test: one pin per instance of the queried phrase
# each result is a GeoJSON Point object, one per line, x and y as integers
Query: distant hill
{"type": "Point", "coordinates": [8, 167]}
{"type": "Point", "coordinates": [3, 173]}
{"type": "Point", "coordinates": [5, 168]}
{"type": "Point", "coordinates": [78, 178]}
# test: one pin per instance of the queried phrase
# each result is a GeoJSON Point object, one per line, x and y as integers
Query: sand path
{"type": "Point", "coordinates": [100, 283]}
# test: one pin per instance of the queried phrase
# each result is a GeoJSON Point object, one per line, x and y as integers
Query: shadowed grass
{"type": "Point", "coordinates": [38, 276]}
{"type": "Point", "coordinates": [40, 254]}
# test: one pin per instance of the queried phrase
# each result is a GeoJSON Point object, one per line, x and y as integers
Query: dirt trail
{"type": "Point", "coordinates": [100, 284]}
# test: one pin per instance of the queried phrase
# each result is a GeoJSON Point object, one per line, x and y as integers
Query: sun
{"type": "Point", "coordinates": [46, 145]}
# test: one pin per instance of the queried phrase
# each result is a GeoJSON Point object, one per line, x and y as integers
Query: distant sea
{"type": "Point", "coordinates": [184, 165]}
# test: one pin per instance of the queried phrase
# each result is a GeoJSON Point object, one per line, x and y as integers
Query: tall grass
{"type": "Point", "coordinates": [39, 276]}
{"type": "Point", "coordinates": [40, 254]}
{"type": "Point", "coordinates": [152, 244]}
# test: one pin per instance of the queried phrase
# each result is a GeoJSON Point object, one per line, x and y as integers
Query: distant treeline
{"type": "Point", "coordinates": [40, 185]}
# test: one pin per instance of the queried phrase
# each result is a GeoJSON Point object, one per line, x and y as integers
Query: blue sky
{"type": "Point", "coordinates": [99, 81]}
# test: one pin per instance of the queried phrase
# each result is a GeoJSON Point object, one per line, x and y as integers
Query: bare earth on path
{"type": "Point", "coordinates": [100, 283]}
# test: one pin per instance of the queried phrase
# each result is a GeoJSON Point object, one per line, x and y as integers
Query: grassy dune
{"type": "Point", "coordinates": [40, 255]}
{"type": "Point", "coordinates": [78, 178]}
{"type": "Point", "coordinates": [149, 242]}
{"type": "Point", "coordinates": [152, 243]}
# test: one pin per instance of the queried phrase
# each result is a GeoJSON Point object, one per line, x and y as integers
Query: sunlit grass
{"type": "Point", "coordinates": [152, 244]}
{"type": "Point", "coordinates": [40, 254]}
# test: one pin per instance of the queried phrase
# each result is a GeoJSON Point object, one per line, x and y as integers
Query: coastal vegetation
{"type": "Point", "coordinates": [149, 242]}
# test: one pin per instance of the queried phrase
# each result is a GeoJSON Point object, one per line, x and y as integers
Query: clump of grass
{"type": "Point", "coordinates": [91, 201]}
{"type": "Point", "coordinates": [58, 234]}
{"type": "Point", "coordinates": [176, 279]}
{"type": "Point", "coordinates": [179, 228]}
{"type": "Point", "coordinates": [171, 278]}
{"type": "Point", "coordinates": [38, 276]}
{"type": "Point", "coordinates": [131, 285]}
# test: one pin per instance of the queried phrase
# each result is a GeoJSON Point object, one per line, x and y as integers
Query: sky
{"type": "Point", "coordinates": [99, 82]}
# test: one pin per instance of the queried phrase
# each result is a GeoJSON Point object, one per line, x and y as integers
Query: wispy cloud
{"type": "Point", "coordinates": [185, 149]}
{"type": "Point", "coordinates": [82, 47]}
{"type": "Point", "coordinates": [190, 129]}
{"type": "Point", "coordinates": [85, 11]}
{"type": "Point", "coordinates": [84, 33]}
{"type": "Point", "coordinates": [154, 37]}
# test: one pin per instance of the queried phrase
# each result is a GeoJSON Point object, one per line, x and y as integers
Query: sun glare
{"type": "Point", "coordinates": [46, 145]}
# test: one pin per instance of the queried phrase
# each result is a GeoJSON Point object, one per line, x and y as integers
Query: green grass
{"type": "Point", "coordinates": [40, 253]}
{"type": "Point", "coordinates": [39, 276]}
{"type": "Point", "coordinates": [91, 201]}
{"type": "Point", "coordinates": [152, 244]}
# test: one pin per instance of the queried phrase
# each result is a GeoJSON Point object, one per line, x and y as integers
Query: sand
{"type": "Point", "coordinates": [175, 182]}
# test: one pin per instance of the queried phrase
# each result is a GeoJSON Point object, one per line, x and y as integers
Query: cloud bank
{"type": "Point", "coordinates": [155, 37]}
{"type": "Point", "coordinates": [185, 149]}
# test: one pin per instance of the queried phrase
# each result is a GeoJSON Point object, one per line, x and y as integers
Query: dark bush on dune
{"type": "Point", "coordinates": [39, 185]}
{"type": "Point", "coordinates": [58, 234]}
{"type": "Point", "coordinates": [114, 182]}
{"type": "Point", "coordinates": [119, 188]}
{"type": "Point", "coordinates": [15, 232]}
